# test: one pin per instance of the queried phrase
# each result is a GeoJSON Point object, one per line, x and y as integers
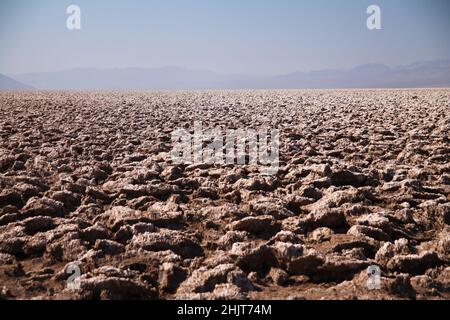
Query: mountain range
{"type": "Point", "coordinates": [419, 74]}
{"type": "Point", "coordinates": [7, 83]}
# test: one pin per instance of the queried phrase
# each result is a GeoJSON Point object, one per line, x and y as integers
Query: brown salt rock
{"type": "Point", "coordinates": [253, 256]}
{"type": "Point", "coordinates": [321, 234]}
{"type": "Point", "coordinates": [43, 207]}
{"type": "Point", "coordinates": [267, 206]}
{"type": "Point", "coordinates": [206, 280]}
{"type": "Point", "coordinates": [227, 240]}
{"type": "Point", "coordinates": [278, 276]}
{"type": "Point", "coordinates": [38, 224]}
{"type": "Point", "coordinates": [170, 276]}
{"type": "Point", "coordinates": [114, 288]}
{"type": "Point", "coordinates": [296, 259]}
{"type": "Point", "coordinates": [66, 249]}
{"type": "Point", "coordinates": [286, 236]}
{"type": "Point", "coordinates": [10, 197]}
{"type": "Point", "coordinates": [338, 268]}
{"type": "Point", "coordinates": [94, 233]}
{"type": "Point", "coordinates": [372, 232]}
{"type": "Point", "coordinates": [118, 216]}
{"type": "Point", "coordinates": [109, 247]}
{"type": "Point", "coordinates": [414, 263]}
{"type": "Point", "coordinates": [70, 200]}
{"type": "Point", "coordinates": [256, 225]}
{"type": "Point", "coordinates": [167, 239]}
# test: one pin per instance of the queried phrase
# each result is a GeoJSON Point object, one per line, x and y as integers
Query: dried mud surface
{"type": "Point", "coordinates": [364, 180]}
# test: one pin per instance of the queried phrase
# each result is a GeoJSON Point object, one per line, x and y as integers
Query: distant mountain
{"type": "Point", "coordinates": [127, 78]}
{"type": "Point", "coordinates": [7, 83]}
{"type": "Point", "coordinates": [424, 74]}
{"type": "Point", "coordinates": [419, 74]}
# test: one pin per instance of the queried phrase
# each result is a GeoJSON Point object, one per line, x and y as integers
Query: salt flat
{"type": "Point", "coordinates": [87, 178]}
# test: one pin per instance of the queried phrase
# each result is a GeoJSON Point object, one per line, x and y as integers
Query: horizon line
{"type": "Point", "coordinates": [228, 74]}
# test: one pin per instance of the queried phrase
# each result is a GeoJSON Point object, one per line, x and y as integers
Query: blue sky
{"type": "Point", "coordinates": [227, 36]}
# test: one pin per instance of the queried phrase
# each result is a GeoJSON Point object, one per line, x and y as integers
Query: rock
{"type": "Point", "coordinates": [394, 286]}
{"type": "Point", "coordinates": [75, 188]}
{"type": "Point", "coordinates": [346, 242]}
{"type": "Point", "coordinates": [38, 224]}
{"type": "Point", "coordinates": [294, 225]}
{"type": "Point", "coordinates": [125, 233]}
{"type": "Point", "coordinates": [295, 202]}
{"type": "Point", "coordinates": [97, 194]}
{"type": "Point", "coordinates": [257, 225]}
{"type": "Point", "coordinates": [401, 286]}
{"type": "Point", "coordinates": [172, 173]}
{"type": "Point", "coordinates": [286, 236]}
{"type": "Point", "coordinates": [168, 240]}
{"type": "Point", "coordinates": [278, 276]}
{"type": "Point", "coordinates": [443, 246]}
{"type": "Point", "coordinates": [423, 285]}
{"type": "Point", "coordinates": [109, 247]}
{"type": "Point", "coordinates": [6, 162]}
{"type": "Point", "coordinates": [134, 191]}
{"type": "Point", "coordinates": [238, 278]}
{"type": "Point", "coordinates": [95, 173]}
{"type": "Point", "coordinates": [94, 233]}
{"type": "Point", "coordinates": [227, 291]}
{"type": "Point", "coordinates": [142, 227]}
{"type": "Point", "coordinates": [165, 218]}
{"type": "Point", "coordinates": [28, 190]}
{"type": "Point", "coordinates": [375, 233]}
{"type": "Point", "coordinates": [330, 218]}
{"type": "Point", "coordinates": [347, 178]}
{"type": "Point", "coordinates": [116, 217]}
{"type": "Point", "coordinates": [70, 200]}
{"type": "Point", "coordinates": [401, 256]}
{"type": "Point", "coordinates": [338, 268]}
{"type": "Point", "coordinates": [389, 250]}
{"type": "Point", "coordinates": [10, 197]}
{"type": "Point", "coordinates": [205, 280]}
{"type": "Point", "coordinates": [205, 192]}
{"type": "Point", "coordinates": [269, 183]}
{"type": "Point", "coordinates": [36, 245]}
{"type": "Point", "coordinates": [7, 259]}
{"type": "Point", "coordinates": [13, 246]}
{"type": "Point", "coordinates": [355, 253]}
{"type": "Point", "coordinates": [115, 288]}
{"type": "Point", "coordinates": [162, 191]}
{"type": "Point", "coordinates": [227, 240]}
{"type": "Point", "coordinates": [267, 207]}
{"type": "Point", "coordinates": [8, 209]}
{"type": "Point", "coordinates": [8, 218]}
{"type": "Point", "coordinates": [170, 277]}
{"type": "Point", "coordinates": [43, 207]}
{"type": "Point", "coordinates": [136, 157]}
{"type": "Point", "coordinates": [335, 198]}
{"type": "Point", "coordinates": [296, 259]}
{"type": "Point", "coordinates": [310, 192]}
{"type": "Point", "coordinates": [223, 291]}
{"type": "Point", "coordinates": [68, 248]}
{"type": "Point", "coordinates": [251, 256]}
{"type": "Point", "coordinates": [414, 263]}
{"type": "Point", "coordinates": [376, 221]}
{"type": "Point", "coordinates": [321, 234]}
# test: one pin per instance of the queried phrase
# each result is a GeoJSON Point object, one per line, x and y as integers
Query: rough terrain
{"type": "Point", "coordinates": [87, 178]}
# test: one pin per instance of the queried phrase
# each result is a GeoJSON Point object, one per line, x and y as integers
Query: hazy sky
{"type": "Point", "coordinates": [227, 36]}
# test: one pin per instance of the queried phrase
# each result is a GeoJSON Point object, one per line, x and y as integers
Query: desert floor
{"type": "Point", "coordinates": [87, 179]}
